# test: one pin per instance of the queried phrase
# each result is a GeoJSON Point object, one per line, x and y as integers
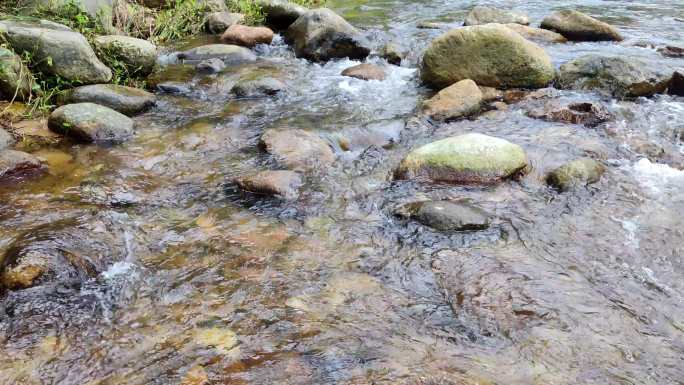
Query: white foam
{"type": "Point", "coordinates": [657, 177]}
{"type": "Point", "coordinates": [117, 269]}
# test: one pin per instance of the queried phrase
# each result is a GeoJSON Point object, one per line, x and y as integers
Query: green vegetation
{"type": "Point", "coordinates": [254, 15]}
{"type": "Point", "coordinates": [184, 18]}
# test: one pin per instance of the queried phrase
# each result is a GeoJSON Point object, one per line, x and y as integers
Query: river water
{"type": "Point", "coordinates": [191, 282]}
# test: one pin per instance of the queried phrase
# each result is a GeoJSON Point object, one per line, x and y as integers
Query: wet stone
{"type": "Point", "coordinates": [365, 71]}
{"type": "Point", "coordinates": [282, 183]}
{"type": "Point", "coordinates": [211, 66]}
{"type": "Point", "coordinates": [586, 113]}
{"type": "Point", "coordinates": [297, 149]}
{"type": "Point", "coordinates": [578, 26]}
{"type": "Point", "coordinates": [578, 173]}
{"type": "Point", "coordinates": [447, 215]}
{"type": "Point", "coordinates": [254, 88]}
{"type": "Point", "coordinates": [676, 86]}
{"type": "Point", "coordinates": [247, 36]}
{"type": "Point", "coordinates": [91, 123]}
{"type": "Point", "coordinates": [537, 34]}
{"type": "Point", "coordinates": [127, 100]}
{"type": "Point", "coordinates": [392, 53]}
{"type": "Point", "coordinates": [485, 15]}
{"type": "Point", "coordinates": [230, 54]}
{"type": "Point", "coordinates": [456, 101]}
{"type": "Point", "coordinates": [6, 139]}
{"type": "Point", "coordinates": [219, 22]}
{"type": "Point", "coordinates": [17, 164]}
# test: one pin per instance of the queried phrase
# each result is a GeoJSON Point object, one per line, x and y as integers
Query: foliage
{"type": "Point", "coordinates": [181, 19]}
{"type": "Point", "coordinates": [254, 15]}
{"type": "Point", "coordinates": [71, 14]}
{"type": "Point", "coordinates": [133, 19]}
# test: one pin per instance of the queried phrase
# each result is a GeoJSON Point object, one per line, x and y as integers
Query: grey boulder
{"type": "Point", "coordinates": [91, 123]}
{"type": "Point", "coordinates": [127, 100]}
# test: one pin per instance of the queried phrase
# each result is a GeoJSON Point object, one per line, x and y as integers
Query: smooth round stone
{"type": "Point", "coordinates": [127, 100]}
{"type": "Point", "coordinates": [91, 123]}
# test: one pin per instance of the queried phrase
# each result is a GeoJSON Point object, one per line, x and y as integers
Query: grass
{"type": "Point", "coordinates": [182, 19]}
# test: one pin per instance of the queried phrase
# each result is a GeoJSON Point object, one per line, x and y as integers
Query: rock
{"type": "Point", "coordinates": [6, 139]}
{"type": "Point", "coordinates": [497, 57]}
{"type": "Point", "coordinates": [500, 106]}
{"type": "Point", "coordinates": [138, 55]}
{"type": "Point", "coordinates": [17, 164]}
{"type": "Point", "coordinates": [280, 13]}
{"type": "Point", "coordinates": [254, 88]}
{"type": "Point", "coordinates": [247, 36]}
{"type": "Point", "coordinates": [365, 71]}
{"type": "Point", "coordinates": [619, 76]}
{"type": "Point", "coordinates": [485, 15]}
{"type": "Point", "coordinates": [321, 35]}
{"type": "Point", "coordinates": [127, 100]}
{"type": "Point", "coordinates": [586, 113]}
{"type": "Point", "coordinates": [173, 88]}
{"type": "Point", "coordinates": [514, 96]}
{"type": "Point", "coordinates": [490, 93]}
{"type": "Point", "coordinates": [458, 100]}
{"type": "Point", "coordinates": [282, 182]}
{"type": "Point", "coordinates": [88, 122]}
{"type": "Point", "coordinates": [671, 51]}
{"type": "Point", "coordinates": [465, 159]}
{"type": "Point", "coordinates": [448, 216]}
{"type": "Point", "coordinates": [230, 54]}
{"type": "Point", "coordinates": [537, 34]}
{"type": "Point", "coordinates": [578, 26]}
{"type": "Point", "coordinates": [676, 86]}
{"type": "Point", "coordinates": [297, 149]}
{"type": "Point", "coordinates": [219, 22]}
{"type": "Point", "coordinates": [432, 25]}
{"type": "Point", "coordinates": [211, 66]}
{"type": "Point", "coordinates": [392, 53]}
{"type": "Point", "coordinates": [16, 81]}
{"type": "Point", "coordinates": [577, 173]}
{"type": "Point", "coordinates": [56, 51]}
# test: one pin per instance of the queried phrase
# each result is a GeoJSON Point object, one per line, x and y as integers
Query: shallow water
{"type": "Point", "coordinates": [193, 282]}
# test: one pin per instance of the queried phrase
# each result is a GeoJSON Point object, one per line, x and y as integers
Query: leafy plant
{"type": "Point", "coordinates": [181, 19]}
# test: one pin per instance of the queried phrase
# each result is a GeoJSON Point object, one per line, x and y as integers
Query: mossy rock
{"type": "Point", "coordinates": [578, 26]}
{"type": "Point", "coordinates": [127, 100]}
{"type": "Point", "coordinates": [16, 82]}
{"type": "Point", "coordinates": [137, 55]}
{"type": "Point", "coordinates": [465, 159]}
{"type": "Point", "coordinates": [91, 123]}
{"type": "Point", "coordinates": [486, 15]}
{"type": "Point", "coordinates": [577, 173]}
{"type": "Point", "coordinates": [491, 55]}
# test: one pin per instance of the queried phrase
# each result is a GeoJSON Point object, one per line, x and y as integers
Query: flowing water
{"type": "Point", "coordinates": [191, 282]}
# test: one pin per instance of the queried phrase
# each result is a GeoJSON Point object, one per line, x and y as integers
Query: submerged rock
{"type": "Point", "coordinates": [247, 36]}
{"type": "Point", "coordinates": [578, 26]}
{"type": "Point", "coordinates": [211, 66]}
{"type": "Point", "coordinates": [56, 50]}
{"type": "Point", "coordinates": [280, 13]}
{"type": "Point", "coordinates": [676, 86]}
{"type": "Point", "coordinates": [497, 57]}
{"type": "Point", "coordinates": [17, 164]}
{"type": "Point", "coordinates": [365, 71]}
{"type": "Point", "coordinates": [537, 34]}
{"type": "Point", "coordinates": [392, 53]}
{"type": "Point", "coordinates": [219, 22]}
{"type": "Point", "coordinates": [16, 82]}
{"type": "Point", "coordinates": [619, 76]}
{"type": "Point", "coordinates": [447, 215]}
{"type": "Point", "coordinates": [464, 159]}
{"type": "Point", "coordinates": [230, 54]}
{"type": "Point", "coordinates": [91, 123]}
{"type": "Point", "coordinates": [283, 183]}
{"type": "Point", "coordinates": [485, 15]}
{"type": "Point", "coordinates": [138, 55]}
{"type": "Point", "coordinates": [321, 35]}
{"type": "Point", "coordinates": [671, 51]}
{"type": "Point", "coordinates": [297, 149]}
{"type": "Point", "coordinates": [577, 173]}
{"type": "Point", "coordinates": [458, 100]}
{"type": "Point", "coordinates": [127, 100]}
{"type": "Point", "coordinates": [586, 113]}
{"type": "Point", "coordinates": [253, 88]}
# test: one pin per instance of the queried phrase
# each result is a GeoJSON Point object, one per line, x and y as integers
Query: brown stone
{"type": "Point", "coordinates": [297, 149]}
{"type": "Point", "coordinates": [458, 100]}
{"type": "Point", "coordinates": [365, 71]}
{"type": "Point", "coordinates": [247, 36]}
{"type": "Point", "coordinates": [283, 183]}
{"type": "Point", "coordinates": [586, 113]}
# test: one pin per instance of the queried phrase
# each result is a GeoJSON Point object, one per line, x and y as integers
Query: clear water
{"type": "Point", "coordinates": [196, 283]}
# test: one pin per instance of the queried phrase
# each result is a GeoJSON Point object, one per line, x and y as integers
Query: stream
{"type": "Point", "coordinates": [199, 283]}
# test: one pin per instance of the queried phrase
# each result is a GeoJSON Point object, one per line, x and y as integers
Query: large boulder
{"type": "Point", "coordinates": [16, 81]}
{"type": "Point", "coordinates": [230, 54]}
{"type": "Point", "coordinates": [127, 100]}
{"type": "Point", "coordinates": [280, 13]}
{"type": "Point", "coordinates": [577, 173]}
{"type": "Point", "coordinates": [485, 15]}
{"type": "Point", "coordinates": [490, 55]}
{"type": "Point", "coordinates": [297, 149]}
{"type": "Point", "coordinates": [578, 26]}
{"type": "Point", "coordinates": [219, 22]}
{"type": "Point", "coordinates": [321, 34]}
{"type": "Point", "coordinates": [91, 123]}
{"type": "Point", "coordinates": [247, 36]}
{"type": "Point", "coordinates": [137, 55]}
{"type": "Point", "coordinates": [458, 100]}
{"type": "Point", "coordinates": [56, 50]}
{"type": "Point", "coordinates": [282, 183]}
{"type": "Point", "coordinates": [619, 76]}
{"type": "Point", "coordinates": [464, 159]}
{"type": "Point", "coordinates": [447, 215]}
{"type": "Point", "coordinates": [537, 34]}
{"type": "Point", "coordinates": [17, 164]}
